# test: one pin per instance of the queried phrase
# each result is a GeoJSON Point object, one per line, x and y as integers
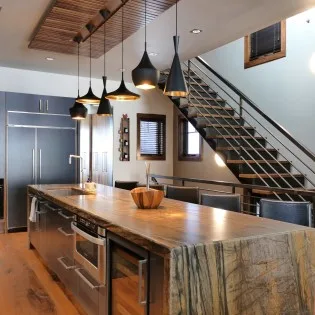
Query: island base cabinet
{"type": "Point", "coordinates": [128, 274]}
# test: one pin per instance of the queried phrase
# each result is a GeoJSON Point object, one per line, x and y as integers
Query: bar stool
{"type": "Point", "coordinates": [188, 194]}
{"type": "Point", "coordinates": [127, 185]}
{"type": "Point", "coordinates": [227, 202]}
{"type": "Point", "coordinates": [297, 212]}
{"type": "Point", "coordinates": [153, 186]}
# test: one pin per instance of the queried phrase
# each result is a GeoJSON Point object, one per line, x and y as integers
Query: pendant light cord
{"type": "Point", "coordinates": [104, 48]}
{"type": "Point", "coordinates": [145, 25]}
{"type": "Point", "coordinates": [78, 68]}
{"type": "Point", "coordinates": [90, 60]}
{"type": "Point", "coordinates": [122, 40]}
{"type": "Point", "coordinates": [176, 17]}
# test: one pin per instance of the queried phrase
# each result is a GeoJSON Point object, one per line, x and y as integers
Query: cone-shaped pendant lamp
{"type": "Point", "coordinates": [145, 76]}
{"type": "Point", "coordinates": [104, 109]}
{"type": "Point", "coordinates": [90, 97]}
{"type": "Point", "coordinates": [122, 93]}
{"type": "Point", "coordinates": [176, 84]}
{"type": "Point", "coordinates": [78, 111]}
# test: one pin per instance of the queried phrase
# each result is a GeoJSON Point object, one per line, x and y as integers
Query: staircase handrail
{"type": "Point", "coordinates": [282, 130]}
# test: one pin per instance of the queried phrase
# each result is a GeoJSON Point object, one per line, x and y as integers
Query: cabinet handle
{"type": "Point", "coordinates": [40, 106]}
{"type": "Point", "coordinates": [64, 233]}
{"type": "Point", "coordinates": [40, 163]}
{"type": "Point", "coordinates": [104, 162]}
{"type": "Point", "coordinates": [52, 209]}
{"type": "Point", "coordinates": [47, 106]}
{"type": "Point", "coordinates": [92, 286]}
{"type": "Point", "coordinates": [60, 259]}
{"type": "Point", "coordinates": [40, 212]}
{"type": "Point", "coordinates": [141, 263]}
{"type": "Point", "coordinates": [33, 164]}
{"type": "Point", "coordinates": [65, 216]}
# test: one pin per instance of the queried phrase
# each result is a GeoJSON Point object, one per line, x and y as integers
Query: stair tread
{"type": "Point", "coordinates": [255, 161]}
{"type": "Point", "coordinates": [201, 84]}
{"type": "Point", "coordinates": [262, 192]}
{"type": "Point", "coordinates": [245, 148]}
{"type": "Point", "coordinates": [208, 98]}
{"type": "Point", "coordinates": [234, 137]}
{"type": "Point", "coordinates": [206, 106]}
{"type": "Point", "coordinates": [273, 175]}
{"type": "Point", "coordinates": [228, 126]}
{"type": "Point", "coordinates": [214, 115]}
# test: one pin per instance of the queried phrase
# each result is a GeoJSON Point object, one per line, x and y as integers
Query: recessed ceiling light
{"type": "Point", "coordinates": [50, 58]}
{"type": "Point", "coordinates": [153, 54]}
{"type": "Point", "coordinates": [196, 31]}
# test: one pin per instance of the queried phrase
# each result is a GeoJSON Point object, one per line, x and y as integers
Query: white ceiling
{"type": "Point", "coordinates": [222, 21]}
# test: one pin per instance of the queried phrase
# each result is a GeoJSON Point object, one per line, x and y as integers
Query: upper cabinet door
{"type": "Point", "coordinates": [58, 105]}
{"type": "Point", "coordinates": [24, 102]}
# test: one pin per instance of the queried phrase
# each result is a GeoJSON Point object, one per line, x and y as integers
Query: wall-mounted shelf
{"type": "Point", "coordinates": [124, 139]}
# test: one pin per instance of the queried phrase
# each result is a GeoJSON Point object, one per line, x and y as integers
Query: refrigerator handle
{"type": "Point", "coordinates": [33, 163]}
{"type": "Point", "coordinates": [40, 163]}
{"type": "Point", "coordinates": [47, 106]}
{"type": "Point", "coordinates": [40, 105]}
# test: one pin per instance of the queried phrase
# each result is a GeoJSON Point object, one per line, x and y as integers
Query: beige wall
{"type": "Point", "coordinates": [205, 169]}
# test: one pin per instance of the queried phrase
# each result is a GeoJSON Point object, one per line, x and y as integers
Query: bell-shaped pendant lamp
{"type": "Point", "coordinates": [104, 109]}
{"type": "Point", "coordinates": [90, 97]}
{"type": "Point", "coordinates": [145, 76]}
{"type": "Point", "coordinates": [176, 83]}
{"type": "Point", "coordinates": [78, 111]}
{"type": "Point", "coordinates": [122, 93]}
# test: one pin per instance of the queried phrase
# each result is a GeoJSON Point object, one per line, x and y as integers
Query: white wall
{"type": "Point", "coordinates": [33, 82]}
{"type": "Point", "coordinates": [283, 89]}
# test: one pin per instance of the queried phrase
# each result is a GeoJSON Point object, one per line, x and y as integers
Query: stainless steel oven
{"type": "Point", "coordinates": [90, 249]}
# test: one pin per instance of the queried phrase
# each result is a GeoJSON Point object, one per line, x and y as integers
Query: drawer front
{"type": "Point", "coordinates": [64, 269]}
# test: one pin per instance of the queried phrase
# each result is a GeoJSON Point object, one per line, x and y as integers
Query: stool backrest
{"type": "Point", "coordinates": [288, 211]}
{"type": "Point", "coordinates": [227, 202]}
{"type": "Point", "coordinates": [188, 194]}
{"type": "Point", "coordinates": [128, 185]}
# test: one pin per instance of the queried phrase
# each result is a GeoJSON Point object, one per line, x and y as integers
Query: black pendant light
{"type": "Point", "coordinates": [176, 83]}
{"type": "Point", "coordinates": [122, 93]}
{"type": "Point", "coordinates": [90, 97]}
{"type": "Point", "coordinates": [78, 111]}
{"type": "Point", "coordinates": [145, 76]}
{"type": "Point", "coordinates": [104, 109]}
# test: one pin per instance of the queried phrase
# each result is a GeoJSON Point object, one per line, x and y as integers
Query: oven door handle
{"type": "Point", "coordinates": [92, 239]}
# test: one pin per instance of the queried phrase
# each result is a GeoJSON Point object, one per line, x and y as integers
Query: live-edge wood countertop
{"type": "Point", "coordinates": [173, 224]}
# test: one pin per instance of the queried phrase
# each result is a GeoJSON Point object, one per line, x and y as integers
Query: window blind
{"type": "Point", "coordinates": [152, 137]}
{"type": "Point", "coordinates": [266, 41]}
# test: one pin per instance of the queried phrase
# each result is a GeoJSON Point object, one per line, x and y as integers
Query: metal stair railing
{"type": "Point", "coordinates": [250, 166]}
{"type": "Point", "coordinates": [277, 126]}
{"type": "Point", "coordinates": [240, 135]}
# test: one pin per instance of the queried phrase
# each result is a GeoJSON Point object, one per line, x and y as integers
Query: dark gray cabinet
{"type": "Point", "coordinates": [38, 103]}
{"type": "Point", "coordinates": [36, 156]}
{"type": "Point", "coordinates": [2, 134]}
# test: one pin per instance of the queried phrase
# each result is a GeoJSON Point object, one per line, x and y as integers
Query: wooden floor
{"type": "Point", "coordinates": [26, 287]}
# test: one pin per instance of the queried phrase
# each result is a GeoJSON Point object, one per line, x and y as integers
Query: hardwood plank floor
{"type": "Point", "coordinates": [26, 287]}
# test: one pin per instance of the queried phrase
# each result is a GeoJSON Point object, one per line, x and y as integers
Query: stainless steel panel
{"type": "Point", "coordinates": [2, 134]}
{"type": "Point", "coordinates": [21, 142]}
{"type": "Point", "coordinates": [85, 143]}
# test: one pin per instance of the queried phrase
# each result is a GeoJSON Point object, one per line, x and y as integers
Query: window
{"type": "Point", "coordinates": [151, 131]}
{"type": "Point", "coordinates": [190, 142]}
{"type": "Point", "coordinates": [265, 45]}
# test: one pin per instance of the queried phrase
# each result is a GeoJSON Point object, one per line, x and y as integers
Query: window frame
{"type": "Point", "coordinates": [181, 145]}
{"type": "Point", "coordinates": [150, 117]}
{"type": "Point", "coordinates": [265, 58]}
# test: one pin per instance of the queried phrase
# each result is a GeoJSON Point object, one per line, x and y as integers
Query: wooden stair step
{"type": "Point", "coordinates": [208, 98]}
{"type": "Point", "coordinates": [285, 175]}
{"type": "Point", "coordinates": [213, 115]}
{"type": "Point", "coordinates": [244, 148]}
{"type": "Point", "coordinates": [262, 192]}
{"type": "Point", "coordinates": [206, 106]}
{"type": "Point", "coordinates": [255, 161]}
{"type": "Point", "coordinates": [234, 137]}
{"type": "Point", "coordinates": [227, 126]}
{"type": "Point", "coordinates": [201, 84]}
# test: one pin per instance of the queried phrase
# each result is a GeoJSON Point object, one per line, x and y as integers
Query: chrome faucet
{"type": "Point", "coordinates": [71, 156]}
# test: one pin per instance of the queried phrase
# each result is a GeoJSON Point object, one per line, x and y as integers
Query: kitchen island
{"type": "Point", "coordinates": [214, 261]}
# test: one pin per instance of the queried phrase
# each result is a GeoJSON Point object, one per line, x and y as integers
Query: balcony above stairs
{"type": "Point", "coordinates": [222, 119]}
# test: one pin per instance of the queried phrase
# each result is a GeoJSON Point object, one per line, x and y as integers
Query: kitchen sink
{"type": "Point", "coordinates": [67, 192]}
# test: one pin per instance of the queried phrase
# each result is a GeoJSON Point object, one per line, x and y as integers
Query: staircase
{"type": "Point", "coordinates": [236, 129]}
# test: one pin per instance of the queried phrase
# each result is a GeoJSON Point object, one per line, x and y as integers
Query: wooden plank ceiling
{"type": "Point", "coordinates": [67, 18]}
